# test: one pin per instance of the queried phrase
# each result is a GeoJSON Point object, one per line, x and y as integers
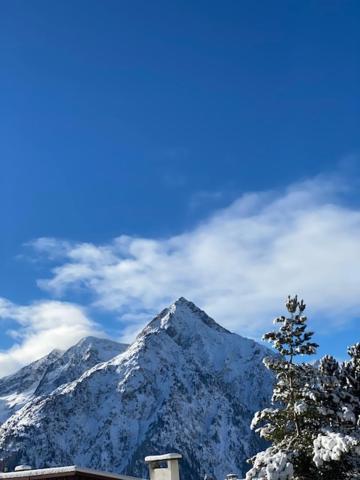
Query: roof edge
{"type": "Point", "coordinates": [67, 470]}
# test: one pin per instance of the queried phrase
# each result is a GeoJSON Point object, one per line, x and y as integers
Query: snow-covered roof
{"type": "Point", "coordinates": [160, 458]}
{"type": "Point", "coordinates": [63, 471]}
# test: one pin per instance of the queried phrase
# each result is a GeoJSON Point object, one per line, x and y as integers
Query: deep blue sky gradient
{"type": "Point", "coordinates": [116, 114]}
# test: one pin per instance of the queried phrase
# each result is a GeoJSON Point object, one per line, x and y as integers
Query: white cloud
{"type": "Point", "coordinates": [40, 328]}
{"type": "Point", "coordinates": [53, 248]}
{"type": "Point", "coordinates": [238, 265]}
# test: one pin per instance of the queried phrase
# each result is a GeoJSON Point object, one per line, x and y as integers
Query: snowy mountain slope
{"type": "Point", "coordinates": [185, 384]}
{"type": "Point", "coordinates": [76, 360]}
{"type": "Point", "coordinates": [48, 373]}
{"type": "Point", "coordinates": [18, 388]}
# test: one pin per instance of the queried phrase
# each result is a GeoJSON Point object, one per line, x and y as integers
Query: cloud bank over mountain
{"type": "Point", "coordinates": [238, 264]}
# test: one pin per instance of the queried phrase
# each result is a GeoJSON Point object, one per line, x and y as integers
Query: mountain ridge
{"type": "Point", "coordinates": [185, 384]}
{"type": "Point", "coordinates": [51, 371]}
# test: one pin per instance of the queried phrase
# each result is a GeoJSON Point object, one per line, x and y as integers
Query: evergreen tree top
{"type": "Point", "coordinates": [292, 339]}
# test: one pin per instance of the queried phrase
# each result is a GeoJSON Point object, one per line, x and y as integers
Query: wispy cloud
{"type": "Point", "coordinates": [237, 265]}
{"type": "Point", "coordinates": [203, 197]}
{"type": "Point", "coordinates": [40, 328]}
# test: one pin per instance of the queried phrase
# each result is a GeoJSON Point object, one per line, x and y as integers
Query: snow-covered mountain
{"type": "Point", "coordinates": [56, 368]}
{"type": "Point", "coordinates": [185, 384]}
{"type": "Point", "coordinates": [17, 389]}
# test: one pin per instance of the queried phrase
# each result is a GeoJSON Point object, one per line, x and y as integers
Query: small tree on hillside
{"type": "Point", "coordinates": [289, 424]}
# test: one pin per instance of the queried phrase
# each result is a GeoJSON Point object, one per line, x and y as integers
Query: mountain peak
{"type": "Point", "coordinates": [96, 342]}
{"type": "Point", "coordinates": [180, 317]}
{"type": "Point", "coordinates": [182, 305]}
{"type": "Point", "coordinates": [183, 300]}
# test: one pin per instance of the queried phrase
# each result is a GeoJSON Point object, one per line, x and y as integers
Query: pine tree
{"type": "Point", "coordinates": [289, 424]}
{"type": "Point", "coordinates": [351, 382]}
{"type": "Point", "coordinates": [314, 425]}
{"type": "Point", "coordinates": [351, 379]}
{"type": "Point", "coordinates": [337, 444]}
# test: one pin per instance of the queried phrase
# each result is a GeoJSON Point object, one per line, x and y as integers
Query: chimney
{"type": "Point", "coordinates": [160, 472]}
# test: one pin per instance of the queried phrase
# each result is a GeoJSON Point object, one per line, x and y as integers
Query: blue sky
{"type": "Point", "coordinates": [156, 149]}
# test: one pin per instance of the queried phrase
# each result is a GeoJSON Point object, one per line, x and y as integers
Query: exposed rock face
{"type": "Point", "coordinates": [185, 384]}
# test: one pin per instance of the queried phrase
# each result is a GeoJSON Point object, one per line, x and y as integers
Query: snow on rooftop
{"type": "Point", "coordinates": [59, 471]}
